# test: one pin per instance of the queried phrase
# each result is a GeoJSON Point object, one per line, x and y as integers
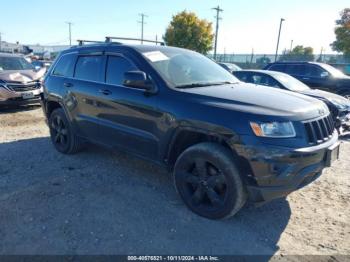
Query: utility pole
{"type": "Point", "coordinates": [278, 39]}
{"type": "Point", "coordinates": [291, 45]}
{"type": "Point", "coordinates": [70, 32]}
{"type": "Point", "coordinates": [142, 22]}
{"type": "Point", "coordinates": [218, 10]}
{"type": "Point", "coordinates": [0, 42]}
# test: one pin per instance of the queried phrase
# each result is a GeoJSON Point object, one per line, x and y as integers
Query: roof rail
{"type": "Point", "coordinates": [81, 42]}
{"type": "Point", "coordinates": [110, 38]}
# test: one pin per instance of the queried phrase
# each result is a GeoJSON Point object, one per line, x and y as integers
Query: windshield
{"type": "Point", "coordinates": [290, 82]}
{"type": "Point", "coordinates": [14, 63]}
{"type": "Point", "coordinates": [184, 69]}
{"type": "Point", "coordinates": [332, 70]}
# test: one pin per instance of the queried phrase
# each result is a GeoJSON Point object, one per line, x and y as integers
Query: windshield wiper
{"type": "Point", "coordinates": [201, 84]}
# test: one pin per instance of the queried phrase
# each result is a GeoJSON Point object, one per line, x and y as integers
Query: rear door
{"type": "Point", "coordinates": [84, 90]}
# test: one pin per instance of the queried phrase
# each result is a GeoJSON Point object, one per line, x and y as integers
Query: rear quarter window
{"type": "Point", "coordinates": [65, 66]}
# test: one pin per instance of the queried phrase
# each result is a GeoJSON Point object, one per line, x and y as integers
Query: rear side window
{"type": "Point", "coordinates": [116, 67]}
{"type": "Point", "coordinates": [242, 76]}
{"type": "Point", "coordinates": [65, 66]}
{"type": "Point", "coordinates": [89, 68]}
{"type": "Point", "coordinates": [279, 68]}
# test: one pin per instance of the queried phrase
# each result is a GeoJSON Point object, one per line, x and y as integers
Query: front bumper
{"type": "Point", "coordinates": [9, 97]}
{"type": "Point", "coordinates": [278, 171]}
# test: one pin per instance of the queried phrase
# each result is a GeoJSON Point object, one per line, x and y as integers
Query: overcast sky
{"type": "Point", "coordinates": [244, 25]}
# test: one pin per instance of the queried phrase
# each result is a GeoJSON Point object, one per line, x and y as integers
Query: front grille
{"type": "Point", "coordinates": [23, 87]}
{"type": "Point", "coordinates": [319, 131]}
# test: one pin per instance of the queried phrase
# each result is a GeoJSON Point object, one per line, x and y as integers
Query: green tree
{"type": "Point", "coordinates": [342, 33]}
{"type": "Point", "coordinates": [299, 53]}
{"type": "Point", "coordinates": [186, 30]}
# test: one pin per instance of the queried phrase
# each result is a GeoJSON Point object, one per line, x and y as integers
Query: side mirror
{"type": "Point", "coordinates": [324, 74]}
{"type": "Point", "coordinates": [138, 79]}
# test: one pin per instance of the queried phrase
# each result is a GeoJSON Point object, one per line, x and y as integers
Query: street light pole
{"type": "Point", "coordinates": [278, 39]}
{"type": "Point", "coordinates": [218, 10]}
{"type": "Point", "coordinates": [70, 32]}
{"type": "Point", "coordinates": [142, 22]}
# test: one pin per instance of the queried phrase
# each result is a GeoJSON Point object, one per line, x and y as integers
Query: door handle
{"type": "Point", "coordinates": [105, 92]}
{"type": "Point", "coordinates": [68, 84]}
{"type": "Point", "coordinates": [306, 78]}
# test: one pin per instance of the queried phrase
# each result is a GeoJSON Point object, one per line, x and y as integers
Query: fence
{"type": "Point", "coordinates": [259, 60]}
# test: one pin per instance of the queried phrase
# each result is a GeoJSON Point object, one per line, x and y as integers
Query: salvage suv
{"type": "Point", "coordinates": [20, 82]}
{"type": "Point", "coordinates": [225, 143]}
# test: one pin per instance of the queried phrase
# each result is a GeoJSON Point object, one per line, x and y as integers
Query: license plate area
{"type": "Point", "coordinates": [28, 95]}
{"type": "Point", "coordinates": [332, 154]}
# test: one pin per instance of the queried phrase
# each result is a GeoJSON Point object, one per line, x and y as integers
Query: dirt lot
{"type": "Point", "coordinates": [102, 202]}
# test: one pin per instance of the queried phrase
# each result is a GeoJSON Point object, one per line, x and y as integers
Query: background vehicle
{"type": "Point", "coordinates": [19, 81]}
{"type": "Point", "coordinates": [230, 67]}
{"type": "Point", "coordinates": [315, 75]}
{"type": "Point", "coordinates": [338, 105]}
{"type": "Point", "coordinates": [38, 64]}
{"type": "Point", "coordinates": [223, 141]}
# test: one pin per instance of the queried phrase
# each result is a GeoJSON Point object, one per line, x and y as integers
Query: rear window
{"type": "Point", "coordinates": [65, 66]}
{"type": "Point", "coordinates": [89, 68]}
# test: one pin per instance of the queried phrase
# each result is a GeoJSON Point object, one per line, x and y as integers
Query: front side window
{"type": "Point", "coordinates": [184, 69]}
{"type": "Point", "coordinates": [116, 67]}
{"type": "Point", "coordinates": [14, 63]}
{"type": "Point", "coordinates": [65, 66]}
{"type": "Point", "coordinates": [89, 68]}
{"type": "Point", "coordinates": [314, 71]}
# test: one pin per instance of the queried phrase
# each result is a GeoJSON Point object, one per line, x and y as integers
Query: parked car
{"type": "Point", "coordinates": [19, 81]}
{"type": "Point", "coordinates": [230, 67]}
{"type": "Point", "coordinates": [315, 75]}
{"type": "Point", "coordinates": [338, 105]}
{"type": "Point", "coordinates": [224, 142]}
{"type": "Point", "coordinates": [38, 64]}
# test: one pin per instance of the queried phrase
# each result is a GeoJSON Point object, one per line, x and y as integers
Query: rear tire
{"type": "Point", "coordinates": [208, 181]}
{"type": "Point", "coordinates": [62, 135]}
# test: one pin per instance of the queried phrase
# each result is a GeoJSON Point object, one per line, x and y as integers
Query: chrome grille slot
{"type": "Point", "coordinates": [319, 131]}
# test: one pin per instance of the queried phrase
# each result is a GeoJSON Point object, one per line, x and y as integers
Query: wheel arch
{"type": "Point", "coordinates": [185, 137]}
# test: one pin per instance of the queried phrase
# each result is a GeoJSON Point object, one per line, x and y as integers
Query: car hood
{"type": "Point", "coordinates": [339, 101]}
{"type": "Point", "coordinates": [261, 100]}
{"type": "Point", "coordinates": [21, 76]}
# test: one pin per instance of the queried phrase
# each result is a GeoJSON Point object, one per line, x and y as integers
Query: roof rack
{"type": "Point", "coordinates": [81, 42]}
{"type": "Point", "coordinates": [110, 38]}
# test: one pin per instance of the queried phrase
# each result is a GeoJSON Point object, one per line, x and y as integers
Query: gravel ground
{"type": "Point", "coordinates": [103, 202]}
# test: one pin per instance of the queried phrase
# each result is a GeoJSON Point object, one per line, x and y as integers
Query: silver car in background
{"type": "Point", "coordinates": [20, 82]}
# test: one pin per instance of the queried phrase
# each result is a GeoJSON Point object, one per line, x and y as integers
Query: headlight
{"type": "Point", "coordinates": [273, 129]}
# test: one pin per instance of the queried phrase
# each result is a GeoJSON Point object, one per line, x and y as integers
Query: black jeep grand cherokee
{"type": "Point", "coordinates": [224, 142]}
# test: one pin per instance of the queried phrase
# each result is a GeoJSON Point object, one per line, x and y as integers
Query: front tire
{"type": "Point", "coordinates": [208, 181]}
{"type": "Point", "coordinates": [62, 135]}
